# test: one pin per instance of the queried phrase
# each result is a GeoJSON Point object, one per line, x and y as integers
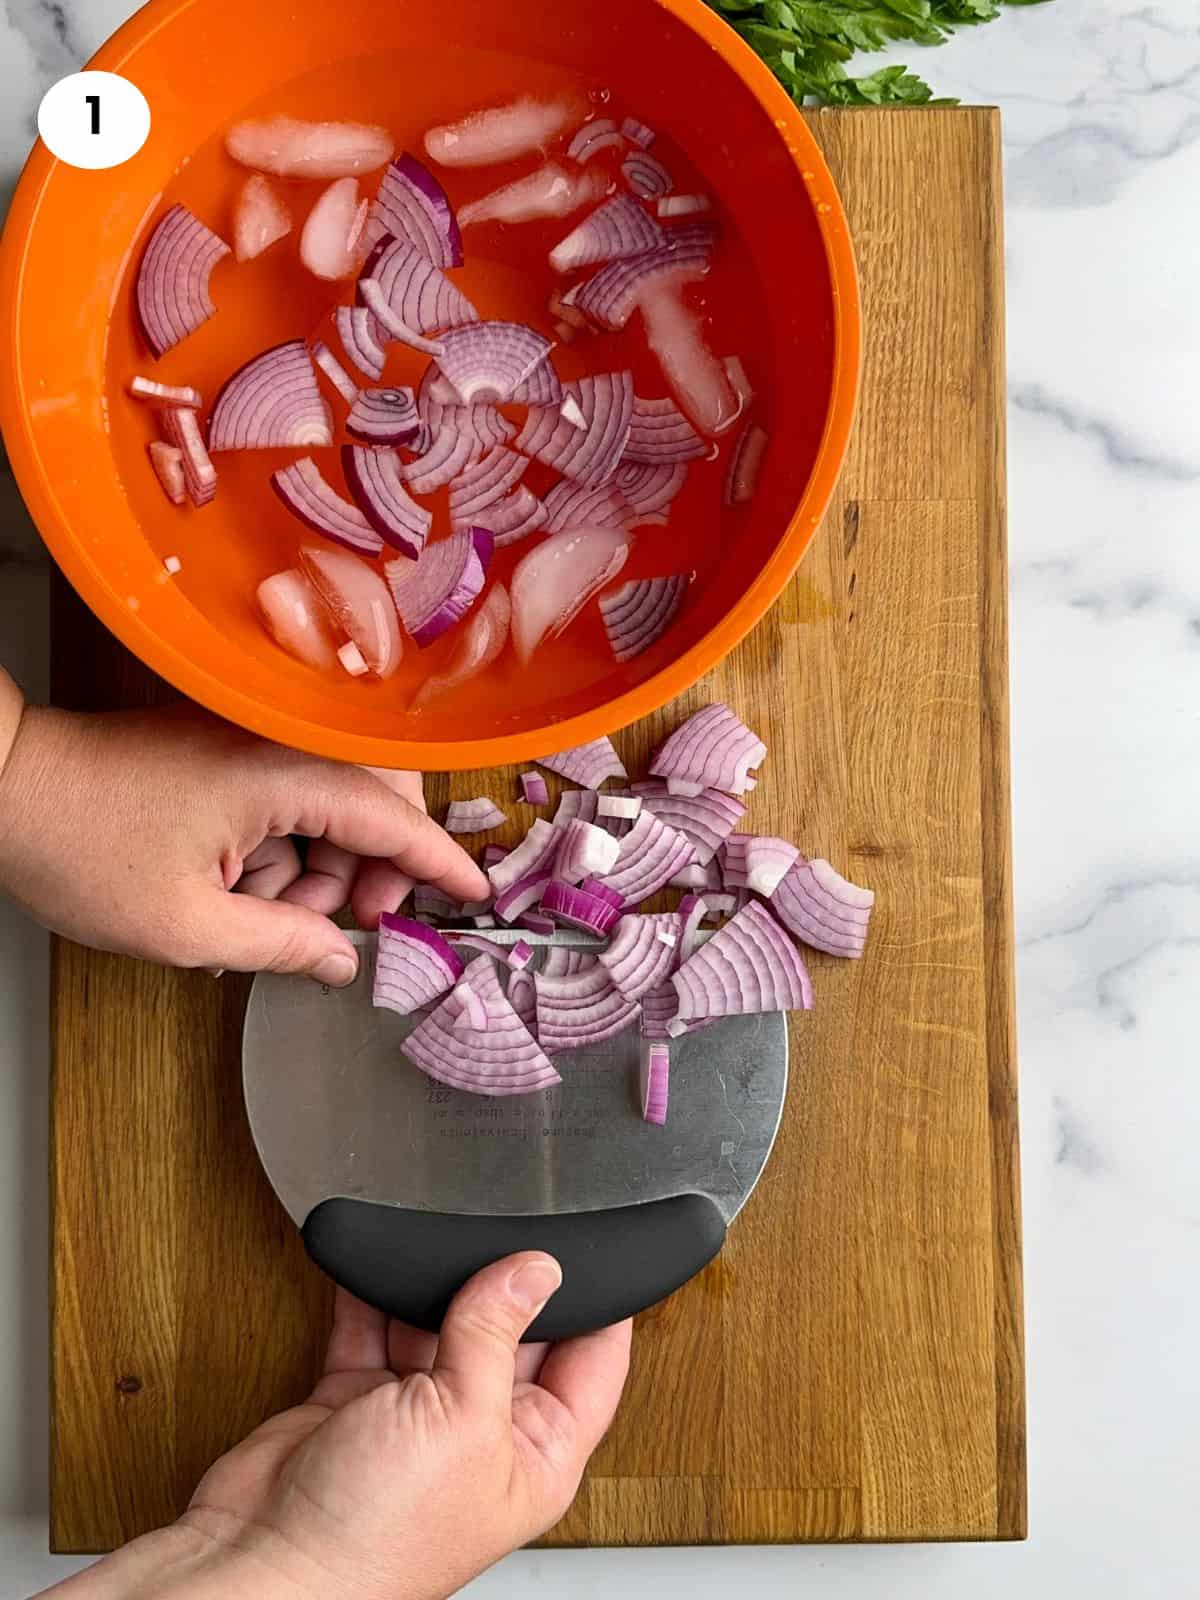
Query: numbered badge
{"type": "Point", "coordinates": [94, 119]}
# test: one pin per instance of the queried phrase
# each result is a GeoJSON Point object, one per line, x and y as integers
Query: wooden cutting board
{"type": "Point", "coordinates": [851, 1365]}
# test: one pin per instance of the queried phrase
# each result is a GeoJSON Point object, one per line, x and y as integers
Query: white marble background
{"type": "Point", "coordinates": [1101, 101]}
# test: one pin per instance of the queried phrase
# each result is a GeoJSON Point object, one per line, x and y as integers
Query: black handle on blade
{"type": "Point", "coordinates": [615, 1263]}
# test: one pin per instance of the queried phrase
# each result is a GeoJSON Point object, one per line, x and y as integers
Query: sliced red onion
{"type": "Point", "coordinates": [412, 205]}
{"type": "Point", "coordinates": [570, 412]}
{"type": "Point", "coordinates": [362, 339]}
{"type": "Point", "coordinates": [523, 895]}
{"type": "Point", "coordinates": [297, 620]}
{"type": "Point", "coordinates": [587, 764]}
{"type": "Point", "coordinates": [413, 965]}
{"type": "Point", "coordinates": [537, 922]}
{"type": "Point", "coordinates": [481, 640]}
{"type": "Point", "coordinates": [580, 505]}
{"type": "Point", "coordinates": [675, 333]}
{"type": "Point", "coordinates": [472, 1013]}
{"type": "Point", "coordinates": [293, 149]}
{"type": "Point", "coordinates": [474, 816]}
{"type": "Point", "coordinates": [488, 361]}
{"type": "Point", "coordinates": [646, 176]}
{"type": "Point", "coordinates": [610, 297]}
{"type": "Point", "coordinates": [616, 230]}
{"type": "Point", "coordinates": [551, 191]}
{"type": "Point", "coordinates": [698, 877]}
{"type": "Point", "coordinates": [683, 205]}
{"type": "Point", "coordinates": [439, 412]}
{"type": "Point", "coordinates": [522, 996]}
{"type": "Point", "coordinates": [739, 379]}
{"type": "Point", "coordinates": [375, 479]}
{"type": "Point", "coordinates": [562, 307]}
{"type": "Point", "coordinates": [574, 803]}
{"type": "Point", "coordinates": [260, 218]}
{"type": "Point", "coordinates": [655, 1083]}
{"type": "Point", "coordinates": [307, 495]}
{"type": "Point", "coordinates": [754, 861]}
{"type": "Point", "coordinates": [352, 659]}
{"type": "Point", "coordinates": [536, 850]}
{"type": "Point", "coordinates": [601, 134]}
{"type": "Point", "coordinates": [626, 807]}
{"type": "Point", "coordinates": [561, 961]}
{"type": "Point", "coordinates": [651, 854]}
{"type": "Point", "coordinates": [707, 818]}
{"type": "Point", "coordinates": [476, 490]}
{"type": "Point", "coordinates": [500, 1058]}
{"type": "Point", "coordinates": [650, 488]}
{"type": "Point", "coordinates": [660, 434]}
{"type": "Point", "coordinates": [638, 133]}
{"type": "Point", "coordinates": [824, 909]}
{"type": "Point", "coordinates": [172, 284]}
{"type": "Point", "coordinates": [722, 904]}
{"type": "Point", "coordinates": [533, 789]}
{"type": "Point", "coordinates": [270, 402]}
{"type": "Point", "coordinates": [541, 388]}
{"type": "Point", "coordinates": [750, 966]}
{"type": "Point", "coordinates": [333, 369]}
{"type": "Point", "coordinates": [659, 1008]}
{"type": "Point", "coordinates": [419, 293]}
{"type": "Point", "coordinates": [448, 454]}
{"type": "Point", "coordinates": [639, 958]}
{"type": "Point", "coordinates": [493, 853]}
{"type": "Point", "coordinates": [589, 454]}
{"type": "Point", "coordinates": [167, 461]}
{"type": "Point", "coordinates": [745, 465]}
{"type": "Point", "coordinates": [511, 519]}
{"type": "Point", "coordinates": [373, 297]}
{"type": "Point", "coordinates": [553, 583]}
{"type": "Point", "coordinates": [584, 1008]}
{"type": "Point", "coordinates": [442, 586]}
{"type": "Point", "coordinates": [167, 394]}
{"type": "Point", "coordinates": [384, 416]}
{"type": "Point", "coordinates": [359, 603]}
{"type": "Point", "coordinates": [712, 750]}
{"type": "Point", "coordinates": [581, 908]}
{"type": "Point", "coordinates": [331, 242]}
{"type": "Point", "coordinates": [520, 955]}
{"type": "Point", "coordinates": [502, 133]}
{"type": "Point", "coordinates": [181, 428]}
{"type": "Point", "coordinates": [430, 901]}
{"type": "Point", "coordinates": [585, 852]}
{"type": "Point", "coordinates": [691, 912]}
{"type": "Point", "coordinates": [638, 614]}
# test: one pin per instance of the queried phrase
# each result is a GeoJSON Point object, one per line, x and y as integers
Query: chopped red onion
{"type": "Point", "coordinates": [297, 620]}
{"type": "Point", "coordinates": [659, 1008]}
{"type": "Point", "coordinates": [739, 379]}
{"type": "Point", "coordinates": [697, 877]}
{"type": "Point", "coordinates": [522, 997]}
{"type": "Point", "coordinates": [290, 148]}
{"type": "Point", "coordinates": [523, 895]}
{"type": "Point", "coordinates": [493, 852]}
{"type": "Point", "coordinates": [542, 387]}
{"type": "Point", "coordinates": [373, 297]}
{"type": "Point", "coordinates": [551, 191]}
{"type": "Point", "coordinates": [722, 905]}
{"type": "Point", "coordinates": [572, 803]}
{"type": "Point", "coordinates": [172, 283]}
{"type": "Point", "coordinates": [583, 1008]}
{"type": "Point", "coordinates": [307, 495]}
{"type": "Point", "coordinates": [624, 807]}
{"type": "Point", "coordinates": [362, 339]}
{"type": "Point", "coordinates": [535, 852]}
{"type": "Point", "coordinates": [561, 961]}
{"type": "Point", "coordinates": [649, 488]}
{"type": "Point", "coordinates": [419, 293]}
{"type": "Point", "coordinates": [587, 764]}
{"type": "Point", "coordinates": [616, 230]}
{"type": "Point", "coordinates": [583, 908]}
{"type": "Point", "coordinates": [537, 922]}
{"type": "Point", "coordinates": [601, 134]}
{"type": "Point", "coordinates": [448, 454]}
{"type": "Point", "coordinates": [750, 966]}
{"type": "Point", "coordinates": [480, 641]}
{"type": "Point", "coordinates": [638, 133]}
{"type": "Point", "coordinates": [479, 942]}
{"type": "Point", "coordinates": [646, 176]}
{"type": "Point", "coordinates": [712, 750]}
{"type": "Point", "coordinates": [553, 583]}
{"type": "Point", "coordinates": [659, 434]}
{"type": "Point", "coordinates": [512, 519]}
{"type": "Point", "coordinates": [165, 393]}
{"type": "Point", "coordinates": [500, 1058]}
{"type": "Point", "coordinates": [651, 854]}
{"type": "Point", "coordinates": [375, 479]}
{"type": "Point", "coordinates": [384, 416]}
{"type": "Point", "coordinates": [589, 454]}
{"type": "Point", "coordinates": [691, 912]}
{"type": "Point", "coordinates": [413, 965]}
{"type": "Point", "coordinates": [260, 218]}
{"type": "Point", "coordinates": [352, 659]}
{"type": "Point", "coordinates": [707, 818]}
{"type": "Point", "coordinates": [675, 333]}
{"type": "Point", "coordinates": [638, 957]}
{"type": "Point", "coordinates": [478, 489]}
{"type": "Point", "coordinates": [585, 852]}
{"type": "Point", "coordinates": [474, 816]}
{"type": "Point", "coordinates": [486, 920]}
{"type": "Point", "coordinates": [655, 1083]}
{"type": "Point", "coordinates": [331, 242]}
{"type": "Point", "coordinates": [430, 901]}
{"type": "Point", "coordinates": [683, 205]}
{"type": "Point", "coordinates": [333, 369]}
{"type": "Point", "coordinates": [439, 412]}
{"type": "Point", "coordinates": [438, 590]}
{"type": "Point", "coordinates": [638, 614]}
{"type": "Point", "coordinates": [610, 297]}
{"type": "Point", "coordinates": [167, 461]}
{"type": "Point", "coordinates": [580, 505]}
{"type": "Point", "coordinates": [520, 955]}
{"type": "Point", "coordinates": [824, 909]}
{"type": "Point", "coordinates": [502, 133]}
{"type": "Point", "coordinates": [412, 205]}
{"type": "Point", "coordinates": [533, 789]}
{"type": "Point", "coordinates": [359, 603]}
{"type": "Point", "coordinates": [752, 861]}
{"type": "Point", "coordinates": [745, 464]}
{"type": "Point", "coordinates": [182, 429]}
{"type": "Point", "coordinates": [487, 361]}
{"type": "Point", "coordinates": [272, 401]}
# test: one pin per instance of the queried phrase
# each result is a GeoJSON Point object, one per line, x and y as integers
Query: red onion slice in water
{"type": "Point", "coordinates": [587, 764]}
{"type": "Point", "coordinates": [420, 294]}
{"type": "Point", "coordinates": [474, 816]}
{"type": "Point", "coordinates": [502, 133]}
{"type": "Point", "coordinates": [660, 434]}
{"type": "Point", "coordinates": [260, 218]}
{"type": "Point", "coordinates": [359, 603]}
{"type": "Point", "coordinates": [172, 283]}
{"type": "Point", "coordinates": [480, 641]}
{"type": "Point", "coordinates": [511, 519]}
{"type": "Point", "coordinates": [712, 750]}
{"type": "Point", "coordinates": [683, 205]}
{"type": "Point", "coordinates": [650, 488]}
{"type": "Point", "coordinates": [638, 133]}
{"type": "Point", "coordinates": [307, 495]}
{"type": "Point", "coordinates": [593, 137]}
{"type": "Point", "coordinates": [616, 230]}
{"type": "Point", "coordinates": [533, 789]}
{"type": "Point", "coordinates": [691, 912]}
{"type": "Point", "coordinates": [181, 428]}
{"type": "Point", "coordinates": [824, 909]}
{"type": "Point", "coordinates": [585, 852]}
{"type": "Point", "coordinates": [331, 241]}
{"type": "Point", "coordinates": [297, 620]}
{"type": "Point", "coordinates": [167, 394]}
{"type": "Point", "coordinates": [750, 966]}
{"type": "Point", "coordinates": [609, 298]}
{"type": "Point", "coordinates": [449, 453]}
{"type": "Point", "coordinates": [638, 614]}
{"type": "Point", "coordinates": [328, 363]}
{"type": "Point", "coordinates": [270, 402]}
{"type": "Point", "coordinates": [291, 148]}
{"type": "Point", "coordinates": [442, 586]}
{"type": "Point", "coordinates": [646, 176]}
{"type": "Point", "coordinates": [413, 965]}
{"type": "Point", "coordinates": [641, 953]}
{"type": "Point", "coordinates": [476, 490]}
{"type": "Point", "coordinates": [707, 818]}
{"type": "Point", "coordinates": [651, 854]}
{"type": "Point", "coordinates": [581, 505]}
{"type": "Point", "coordinates": [501, 1058]}
{"type": "Point", "coordinates": [167, 461]}
{"type": "Point", "coordinates": [362, 339]}
{"type": "Point", "coordinates": [439, 412]}
{"type": "Point", "coordinates": [551, 191]}
{"type": "Point", "coordinates": [745, 465]}
{"type": "Point", "coordinates": [584, 1008]}
{"type": "Point", "coordinates": [412, 205]}
{"type": "Point", "coordinates": [560, 961]}
{"type": "Point", "coordinates": [384, 416]}
{"type": "Point", "coordinates": [757, 862]}
{"type": "Point", "coordinates": [676, 335]}
{"type": "Point", "coordinates": [374, 477]}
{"type": "Point", "coordinates": [553, 583]}
{"type": "Point", "coordinates": [541, 388]}
{"type": "Point", "coordinates": [589, 454]}
{"type": "Point", "coordinates": [655, 1083]}
{"type": "Point", "coordinates": [373, 297]}
{"type": "Point", "coordinates": [488, 361]}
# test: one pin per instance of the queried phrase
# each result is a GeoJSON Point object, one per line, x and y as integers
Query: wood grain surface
{"type": "Point", "coordinates": [850, 1368]}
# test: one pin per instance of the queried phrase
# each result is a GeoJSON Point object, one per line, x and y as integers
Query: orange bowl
{"type": "Point", "coordinates": [77, 445]}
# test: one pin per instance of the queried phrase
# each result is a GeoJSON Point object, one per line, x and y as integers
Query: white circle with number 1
{"type": "Point", "coordinates": [94, 119]}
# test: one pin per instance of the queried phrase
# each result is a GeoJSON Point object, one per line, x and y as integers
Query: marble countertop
{"type": "Point", "coordinates": [1101, 105]}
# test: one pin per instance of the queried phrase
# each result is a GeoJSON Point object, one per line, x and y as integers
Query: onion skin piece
{"type": "Point", "coordinates": [482, 639]}
{"type": "Point", "coordinates": [553, 583]}
{"type": "Point", "coordinates": [272, 400]}
{"type": "Point", "coordinates": [712, 750]}
{"type": "Point", "coordinates": [698, 380]}
{"type": "Point", "coordinates": [816, 904]}
{"type": "Point", "coordinates": [589, 765]}
{"type": "Point", "coordinates": [487, 138]}
{"type": "Point", "coordinates": [306, 494]}
{"type": "Point", "coordinates": [291, 148]}
{"type": "Point", "coordinates": [551, 191]}
{"type": "Point", "coordinates": [172, 283]}
{"type": "Point", "coordinates": [260, 218]}
{"type": "Point", "coordinates": [181, 428]}
{"type": "Point", "coordinates": [297, 620]}
{"type": "Point", "coordinates": [749, 967]}
{"type": "Point", "coordinates": [357, 599]}
{"type": "Point", "coordinates": [502, 1058]}
{"type": "Point", "coordinates": [638, 614]}
{"type": "Point", "coordinates": [474, 816]}
{"type": "Point", "coordinates": [167, 461]}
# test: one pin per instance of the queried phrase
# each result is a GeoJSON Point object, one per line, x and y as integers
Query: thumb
{"type": "Point", "coordinates": [477, 1348]}
{"type": "Point", "coordinates": [243, 934]}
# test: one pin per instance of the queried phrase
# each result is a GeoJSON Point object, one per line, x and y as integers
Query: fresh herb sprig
{"type": "Point", "coordinates": [806, 43]}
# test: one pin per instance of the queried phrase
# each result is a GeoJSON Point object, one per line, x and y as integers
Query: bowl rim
{"type": "Point", "coordinates": [289, 728]}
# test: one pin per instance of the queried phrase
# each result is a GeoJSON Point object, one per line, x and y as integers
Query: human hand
{"type": "Point", "coordinates": [127, 831]}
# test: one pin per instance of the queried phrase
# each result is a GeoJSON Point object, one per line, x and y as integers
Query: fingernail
{"type": "Point", "coordinates": [336, 970]}
{"type": "Point", "coordinates": [532, 1285]}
